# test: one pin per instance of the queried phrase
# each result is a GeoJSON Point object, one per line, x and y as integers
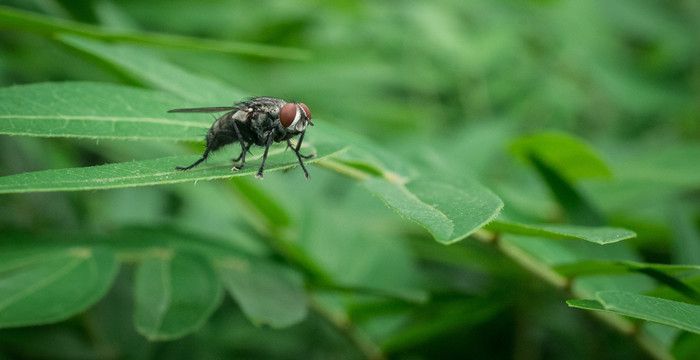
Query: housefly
{"type": "Point", "coordinates": [257, 121]}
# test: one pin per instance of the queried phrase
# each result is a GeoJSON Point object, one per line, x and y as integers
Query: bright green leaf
{"type": "Point", "coordinates": [175, 294]}
{"type": "Point", "coordinates": [449, 213]}
{"type": "Point", "coordinates": [674, 313]}
{"type": "Point", "coordinates": [598, 235]}
{"type": "Point", "coordinates": [47, 285]}
{"type": "Point", "coordinates": [154, 172]}
{"type": "Point", "coordinates": [94, 110]}
{"type": "Point", "coordinates": [267, 293]}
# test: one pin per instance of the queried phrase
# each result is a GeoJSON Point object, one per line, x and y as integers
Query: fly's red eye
{"type": "Point", "coordinates": [307, 112]}
{"type": "Point", "coordinates": [287, 114]}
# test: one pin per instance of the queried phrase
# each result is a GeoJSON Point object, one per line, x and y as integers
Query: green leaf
{"type": "Point", "coordinates": [598, 235]}
{"type": "Point", "coordinates": [578, 209]}
{"type": "Point", "coordinates": [665, 274]}
{"type": "Point", "coordinates": [23, 20]}
{"type": "Point", "coordinates": [267, 293]}
{"type": "Point", "coordinates": [94, 110]}
{"type": "Point", "coordinates": [597, 267]}
{"type": "Point", "coordinates": [448, 212]}
{"type": "Point", "coordinates": [156, 73]}
{"type": "Point", "coordinates": [566, 154]}
{"type": "Point", "coordinates": [154, 172]}
{"type": "Point", "coordinates": [42, 286]}
{"type": "Point", "coordinates": [677, 314]}
{"type": "Point", "coordinates": [175, 294]}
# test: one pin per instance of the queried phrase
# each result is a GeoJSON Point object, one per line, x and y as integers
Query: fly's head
{"type": "Point", "coordinates": [294, 117]}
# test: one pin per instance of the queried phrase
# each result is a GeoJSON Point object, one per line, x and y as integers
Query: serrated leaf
{"type": "Point", "coordinates": [23, 20]}
{"type": "Point", "coordinates": [267, 293]}
{"type": "Point", "coordinates": [598, 235]}
{"type": "Point", "coordinates": [47, 285]}
{"type": "Point", "coordinates": [175, 294]}
{"type": "Point", "coordinates": [448, 212]}
{"type": "Point", "coordinates": [94, 110]}
{"type": "Point", "coordinates": [674, 313]}
{"type": "Point", "coordinates": [154, 172]}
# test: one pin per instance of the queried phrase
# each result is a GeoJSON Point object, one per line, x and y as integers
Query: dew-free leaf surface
{"type": "Point", "coordinates": [175, 293]}
{"type": "Point", "coordinates": [674, 313]}
{"type": "Point", "coordinates": [156, 171]}
{"type": "Point", "coordinates": [267, 293]}
{"type": "Point", "coordinates": [95, 110]}
{"type": "Point", "coordinates": [448, 212]}
{"type": "Point", "coordinates": [598, 235]}
{"type": "Point", "coordinates": [42, 286]}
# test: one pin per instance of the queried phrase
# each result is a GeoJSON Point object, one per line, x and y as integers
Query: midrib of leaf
{"type": "Point", "coordinates": [109, 118]}
{"type": "Point", "coordinates": [41, 284]}
{"type": "Point", "coordinates": [412, 196]}
{"type": "Point", "coordinates": [29, 260]}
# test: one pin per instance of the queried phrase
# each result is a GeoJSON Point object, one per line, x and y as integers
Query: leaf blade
{"type": "Point", "coordinates": [267, 293]}
{"type": "Point", "coordinates": [174, 296]}
{"type": "Point", "coordinates": [449, 213]}
{"type": "Point", "coordinates": [598, 235]}
{"type": "Point", "coordinates": [42, 286]}
{"type": "Point", "coordinates": [94, 110]}
{"type": "Point", "coordinates": [150, 172]}
{"type": "Point", "coordinates": [668, 312]}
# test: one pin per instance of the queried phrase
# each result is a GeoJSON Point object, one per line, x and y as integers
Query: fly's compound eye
{"type": "Point", "coordinates": [288, 113]}
{"type": "Point", "coordinates": [306, 110]}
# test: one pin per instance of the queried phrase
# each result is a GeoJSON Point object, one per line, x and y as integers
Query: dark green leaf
{"type": "Point", "coordinates": [153, 172]}
{"type": "Point", "coordinates": [448, 212]}
{"type": "Point", "coordinates": [175, 294]}
{"type": "Point", "coordinates": [598, 235]}
{"type": "Point", "coordinates": [94, 110]}
{"type": "Point", "coordinates": [47, 285]}
{"type": "Point", "coordinates": [267, 293]}
{"type": "Point", "coordinates": [677, 314]}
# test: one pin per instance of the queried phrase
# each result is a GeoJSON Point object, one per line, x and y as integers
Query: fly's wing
{"type": "Point", "coordinates": [204, 109]}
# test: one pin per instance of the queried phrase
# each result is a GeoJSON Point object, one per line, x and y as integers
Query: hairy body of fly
{"type": "Point", "coordinates": [256, 121]}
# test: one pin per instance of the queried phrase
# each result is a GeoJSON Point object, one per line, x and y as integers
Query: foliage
{"type": "Point", "coordinates": [477, 166]}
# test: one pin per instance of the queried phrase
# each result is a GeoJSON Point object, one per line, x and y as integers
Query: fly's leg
{"type": "Point", "coordinates": [268, 142]}
{"type": "Point", "coordinates": [241, 157]}
{"type": "Point", "coordinates": [204, 157]}
{"type": "Point", "coordinates": [240, 140]}
{"type": "Point", "coordinates": [296, 150]}
{"type": "Point", "coordinates": [299, 156]}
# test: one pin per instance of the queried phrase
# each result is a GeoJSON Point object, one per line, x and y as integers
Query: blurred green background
{"type": "Point", "coordinates": [446, 85]}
